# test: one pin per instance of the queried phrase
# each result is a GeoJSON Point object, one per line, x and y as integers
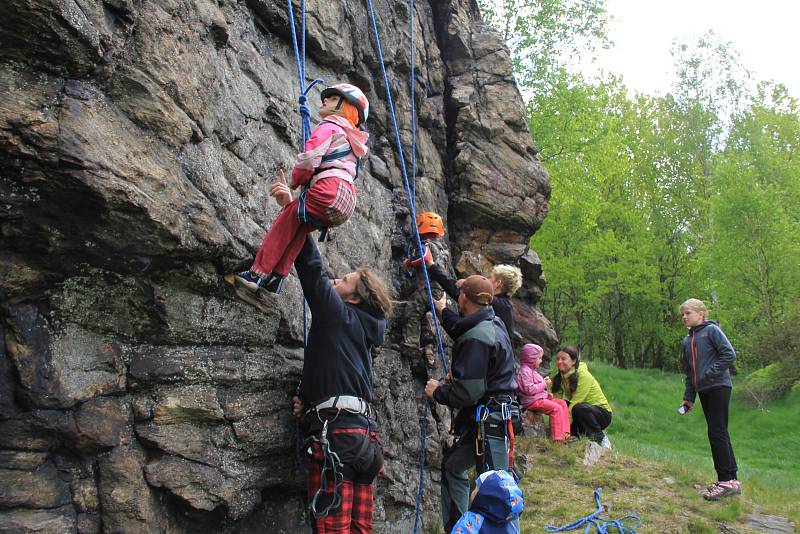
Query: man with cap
{"type": "Point", "coordinates": [481, 388]}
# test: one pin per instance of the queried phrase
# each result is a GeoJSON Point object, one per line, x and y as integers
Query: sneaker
{"type": "Point", "coordinates": [708, 488]}
{"type": "Point", "coordinates": [569, 440]}
{"type": "Point", "coordinates": [249, 280]}
{"type": "Point", "coordinates": [273, 283]}
{"type": "Point", "coordinates": [606, 443]}
{"type": "Point", "coordinates": [720, 490]}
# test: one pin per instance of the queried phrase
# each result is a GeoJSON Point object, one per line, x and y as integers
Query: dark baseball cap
{"type": "Point", "coordinates": [478, 289]}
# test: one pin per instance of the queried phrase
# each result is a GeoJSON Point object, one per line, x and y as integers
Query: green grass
{"type": "Point", "coordinates": [661, 460]}
{"type": "Point", "coordinates": [646, 425]}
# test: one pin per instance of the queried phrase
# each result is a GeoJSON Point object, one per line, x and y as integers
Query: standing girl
{"type": "Point", "coordinates": [533, 395]}
{"type": "Point", "coordinates": [708, 356]}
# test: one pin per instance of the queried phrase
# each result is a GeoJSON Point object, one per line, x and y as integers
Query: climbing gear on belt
{"type": "Point", "coordinates": [331, 464]}
{"type": "Point", "coordinates": [483, 461]}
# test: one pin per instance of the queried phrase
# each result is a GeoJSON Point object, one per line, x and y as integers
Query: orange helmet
{"type": "Point", "coordinates": [353, 95]}
{"type": "Point", "coordinates": [430, 223]}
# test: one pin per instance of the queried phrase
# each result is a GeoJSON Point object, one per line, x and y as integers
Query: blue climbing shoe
{"type": "Point", "coordinates": [273, 283]}
{"type": "Point", "coordinates": [249, 280]}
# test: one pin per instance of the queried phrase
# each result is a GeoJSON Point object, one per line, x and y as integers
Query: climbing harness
{"type": "Point", "coordinates": [483, 455]}
{"type": "Point", "coordinates": [601, 526]}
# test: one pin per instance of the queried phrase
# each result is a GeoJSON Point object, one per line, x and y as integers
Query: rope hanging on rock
{"type": "Point", "coordinates": [412, 208]}
{"type": "Point", "coordinates": [305, 113]}
{"type": "Point", "coordinates": [601, 526]}
{"type": "Point", "coordinates": [399, 146]}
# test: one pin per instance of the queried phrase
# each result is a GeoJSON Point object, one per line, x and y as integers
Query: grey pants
{"type": "Point", "coordinates": [455, 472]}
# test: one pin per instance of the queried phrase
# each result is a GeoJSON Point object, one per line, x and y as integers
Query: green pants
{"type": "Point", "coordinates": [456, 465]}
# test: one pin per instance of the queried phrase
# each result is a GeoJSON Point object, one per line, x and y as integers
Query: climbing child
{"type": "Point", "coordinates": [494, 504]}
{"type": "Point", "coordinates": [431, 233]}
{"type": "Point", "coordinates": [327, 170]}
{"type": "Point", "coordinates": [533, 395]}
{"type": "Point", "coordinates": [708, 356]}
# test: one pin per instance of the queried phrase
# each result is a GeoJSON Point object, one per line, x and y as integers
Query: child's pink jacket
{"type": "Point", "coordinates": [334, 135]}
{"type": "Point", "coordinates": [530, 385]}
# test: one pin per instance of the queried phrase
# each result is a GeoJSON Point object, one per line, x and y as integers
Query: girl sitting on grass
{"type": "Point", "coordinates": [708, 356]}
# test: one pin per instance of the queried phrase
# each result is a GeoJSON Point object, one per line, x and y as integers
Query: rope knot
{"type": "Point", "coordinates": [302, 99]}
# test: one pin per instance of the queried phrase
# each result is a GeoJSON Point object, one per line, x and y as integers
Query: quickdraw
{"type": "Point", "coordinates": [481, 445]}
{"type": "Point", "coordinates": [331, 464]}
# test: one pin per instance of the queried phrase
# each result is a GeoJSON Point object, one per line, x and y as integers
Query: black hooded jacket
{"type": "Point", "coordinates": [501, 304]}
{"type": "Point", "coordinates": [483, 363]}
{"type": "Point", "coordinates": [338, 354]}
{"type": "Point", "coordinates": [708, 356]}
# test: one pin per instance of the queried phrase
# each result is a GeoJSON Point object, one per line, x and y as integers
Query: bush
{"type": "Point", "coordinates": [771, 382]}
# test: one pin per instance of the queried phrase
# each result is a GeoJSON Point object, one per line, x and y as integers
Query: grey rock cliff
{"type": "Point", "coordinates": [137, 140]}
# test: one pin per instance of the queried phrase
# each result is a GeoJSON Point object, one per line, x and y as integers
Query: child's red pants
{"type": "Point", "coordinates": [330, 200]}
{"type": "Point", "coordinates": [558, 411]}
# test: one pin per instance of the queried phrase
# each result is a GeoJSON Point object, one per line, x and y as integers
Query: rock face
{"type": "Point", "coordinates": [137, 140]}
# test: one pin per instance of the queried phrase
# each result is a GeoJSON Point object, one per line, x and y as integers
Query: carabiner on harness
{"type": "Point", "coordinates": [333, 465]}
{"type": "Point", "coordinates": [481, 413]}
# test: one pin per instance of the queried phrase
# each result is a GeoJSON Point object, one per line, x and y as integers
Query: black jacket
{"type": "Point", "coordinates": [501, 304]}
{"type": "Point", "coordinates": [708, 356]}
{"type": "Point", "coordinates": [338, 354]}
{"type": "Point", "coordinates": [483, 364]}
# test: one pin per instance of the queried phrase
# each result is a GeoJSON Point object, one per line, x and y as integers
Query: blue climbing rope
{"type": "Point", "coordinates": [423, 425]}
{"type": "Point", "coordinates": [405, 178]}
{"type": "Point", "coordinates": [601, 526]}
{"type": "Point", "coordinates": [412, 207]}
{"type": "Point", "coordinates": [302, 107]}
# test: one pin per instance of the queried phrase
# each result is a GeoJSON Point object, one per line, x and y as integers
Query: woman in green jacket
{"type": "Point", "coordinates": [590, 411]}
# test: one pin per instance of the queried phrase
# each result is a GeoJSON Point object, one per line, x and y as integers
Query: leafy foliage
{"type": "Point", "coordinates": [658, 198]}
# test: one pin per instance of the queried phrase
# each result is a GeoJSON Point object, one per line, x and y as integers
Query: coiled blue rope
{"type": "Point", "coordinates": [601, 526]}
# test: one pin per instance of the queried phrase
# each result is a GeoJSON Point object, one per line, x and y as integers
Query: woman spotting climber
{"type": "Point", "coordinates": [327, 170]}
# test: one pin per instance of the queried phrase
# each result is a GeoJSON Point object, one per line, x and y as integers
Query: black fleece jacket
{"type": "Point", "coordinates": [501, 304]}
{"type": "Point", "coordinates": [483, 364]}
{"type": "Point", "coordinates": [338, 354]}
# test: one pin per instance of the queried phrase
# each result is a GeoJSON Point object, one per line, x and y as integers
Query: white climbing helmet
{"type": "Point", "coordinates": [353, 95]}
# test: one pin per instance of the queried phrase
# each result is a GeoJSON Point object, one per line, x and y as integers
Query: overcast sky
{"type": "Point", "coordinates": [766, 33]}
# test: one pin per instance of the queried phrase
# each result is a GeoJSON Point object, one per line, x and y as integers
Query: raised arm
{"type": "Point", "coordinates": [325, 303]}
{"type": "Point", "coordinates": [448, 283]}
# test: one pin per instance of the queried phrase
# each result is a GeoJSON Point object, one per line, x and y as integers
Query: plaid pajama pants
{"type": "Point", "coordinates": [354, 515]}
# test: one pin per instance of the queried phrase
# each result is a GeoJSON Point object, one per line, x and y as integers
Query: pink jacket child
{"type": "Point", "coordinates": [327, 170]}
{"type": "Point", "coordinates": [533, 395]}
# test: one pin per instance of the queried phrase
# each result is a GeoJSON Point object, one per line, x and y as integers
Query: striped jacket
{"type": "Point", "coordinates": [332, 137]}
